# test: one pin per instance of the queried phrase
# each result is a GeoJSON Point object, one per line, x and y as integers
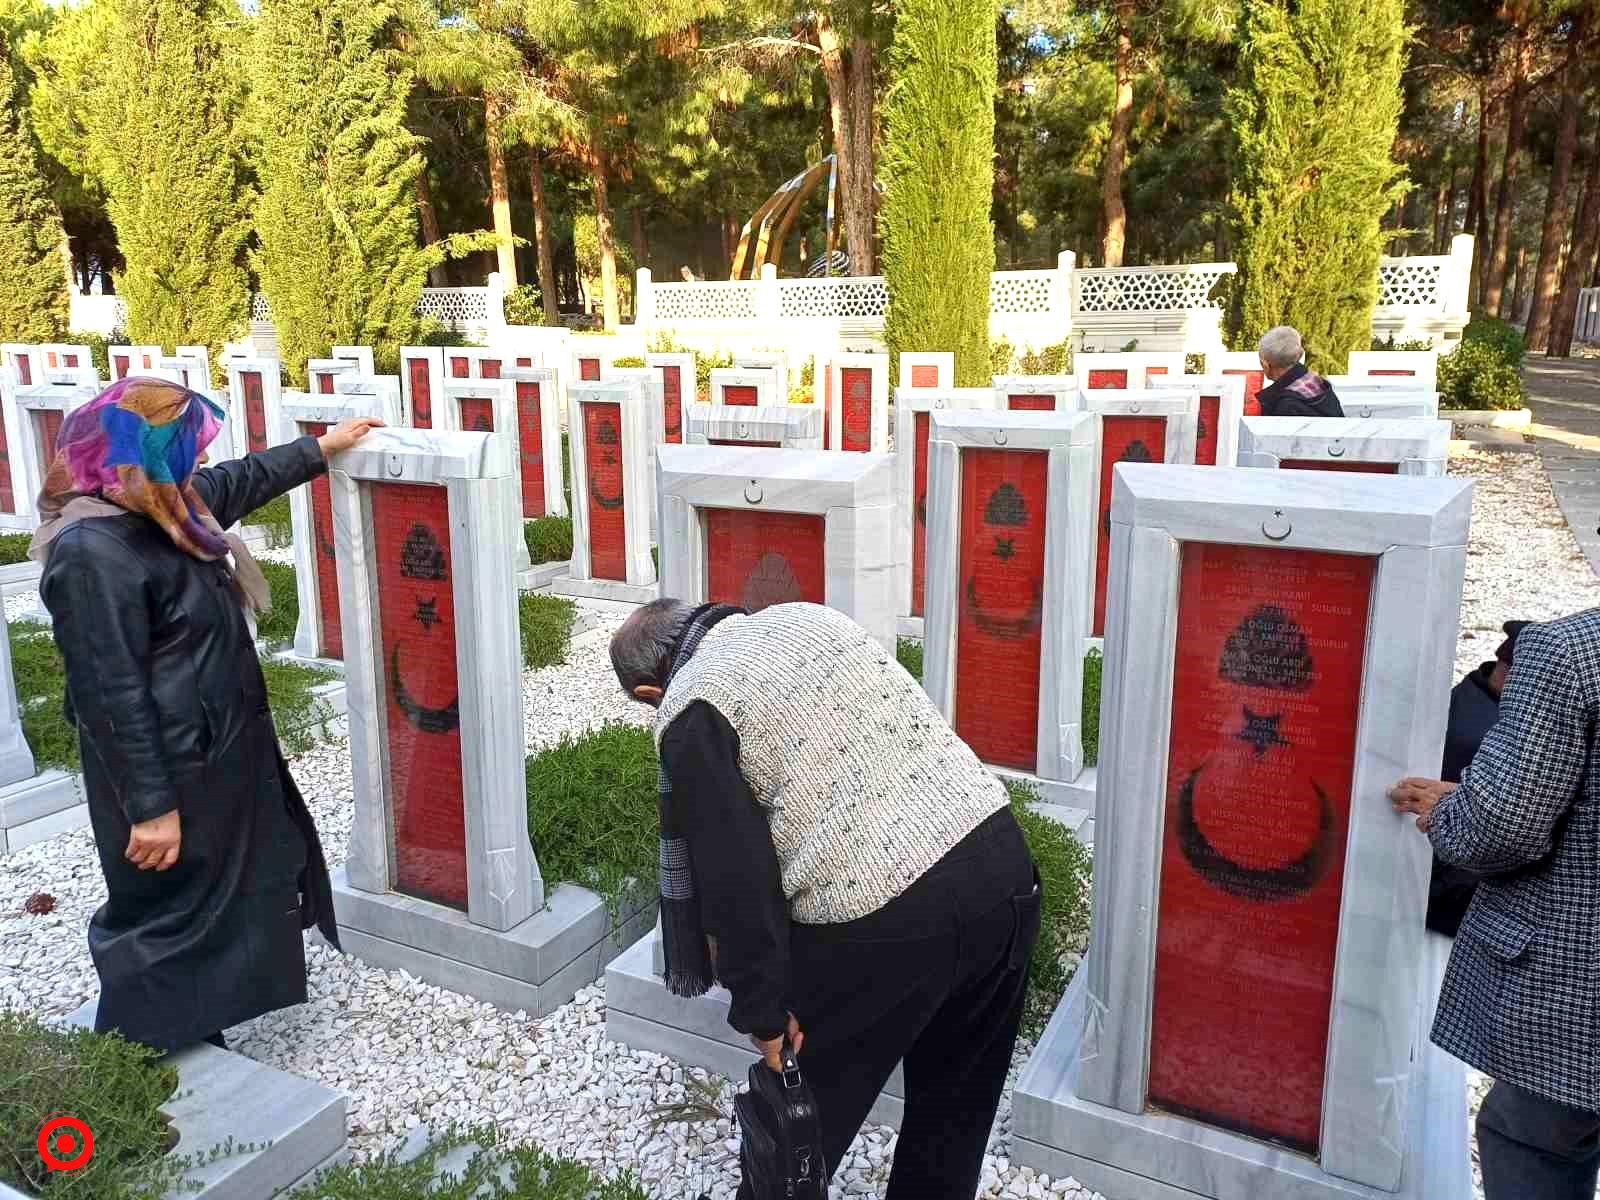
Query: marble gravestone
{"type": "Point", "coordinates": [858, 403]}
{"type": "Point", "coordinates": [319, 630]}
{"type": "Point", "coordinates": [24, 359]}
{"type": "Point", "coordinates": [538, 392]}
{"type": "Point", "coordinates": [1367, 398]}
{"type": "Point", "coordinates": [321, 372]}
{"type": "Point", "coordinates": [360, 355]}
{"type": "Point", "coordinates": [761, 527]}
{"type": "Point", "coordinates": [655, 390]}
{"type": "Point", "coordinates": [1010, 536]}
{"type": "Point", "coordinates": [613, 493]}
{"type": "Point", "coordinates": [735, 388]}
{"type": "Point", "coordinates": [913, 409]}
{"type": "Point", "coordinates": [39, 411]}
{"type": "Point", "coordinates": [66, 357]}
{"type": "Point", "coordinates": [778, 426]}
{"type": "Point", "coordinates": [1125, 370]}
{"type": "Point", "coordinates": [32, 806]}
{"type": "Point", "coordinates": [679, 390]}
{"type": "Point", "coordinates": [1216, 437]}
{"type": "Point", "coordinates": [1399, 446]}
{"type": "Point", "coordinates": [1038, 393]}
{"type": "Point", "coordinates": [471, 362]}
{"type": "Point", "coordinates": [931, 369]}
{"type": "Point", "coordinates": [822, 387]}
{"type": "Point", "coordinates": [129, 360]}
{"type": "Point", "coordinates": [592, 354]}
{"type": "Point", "coordinates": [1252, 1017]}
{"type": "Point", "coordinates": [255, 392]}
{"type": "Point", "coordinates": [1246, 364]}
{"type": "Point", "coordinates": [489, 405]}
{"type": "Point", "coordinates": [1148, 425]}
{"type": "Point", "coordinates": [775, 361]}
{"type": "Point", "coordinates": [1419, 366]}
{"type": "Point", "coordinates": [16, 506]}
{"type": "Point", "coordinates": [441, 879]}
{"type": "Point", "coordinates": [421, 383]}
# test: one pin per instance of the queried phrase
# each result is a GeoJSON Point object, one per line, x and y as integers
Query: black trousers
{"type": "Point", "coordinates": [935, 980]}
{"type": "Point", "coordinates": [1531, 1148]}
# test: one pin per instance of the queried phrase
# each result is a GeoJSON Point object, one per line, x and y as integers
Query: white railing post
{"type": "Point", "coordinates": [769, 301]}
{"type": "Point", "coordinates": [644, 300]}
{"type": "Point", "coordinates": [1063, 302]}
{"type": "Point", "coordinates": [1457, 288]}
{"type": "Point", "coordinates": [494, 317]}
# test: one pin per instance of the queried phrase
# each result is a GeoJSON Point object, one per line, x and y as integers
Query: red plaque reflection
{"type": "Point", "coordinates": [739, 395]}
{"type": "Point", "coordinates": [589, 369]}
{"type": "Point", "coordinates": [477, 414]}
{"type": "Point", "coordinates": [924, 375]}
{"type": "Point", "coordinates": [919, 511]}
{"type": "Point", "coordinates": [1030, 403]}
{"type": "Point", "coordinates": [1108, 378]}
{"type": "Point", "coordinates": [1266, 693]}
{"type": "Point", "coordinates": [1207, 431]}
{"type": "Point", "coordinates": [50, 359]}
{"type": "Point", "coordinates": [757, 559]}
{"type": "Point", "coordinates": [46, 429]}
{"type": "Point", "coordinates": [489, 368]}
{"type": "Point", "coordinates": [1122, 439]}
{"type": "Point", "coordinates": [325, 383]}
{"type": "Point", "coordinates": [121, 362]}
{"type": "Point", "coordinates": [69, 360]}
{"type": "Point", "coordinates": [855, 418]}
{"type": "Point", "coordinates": [460, 367]}
{"type": "Point", "coordinates": [255, 411]}
{"type": "Point", "coordinates": [421, 393]}
{"type": "Point", "coordinates": [827, 407]}
{"type": "Point", "coordinates": [672, 391]}
{"type": "Point", "coordinates": [417, 636]}
{"type": "Point", "coordinates": [1325, 464]}
{"type": "Point", "coordinates": [323, 554]}
{"type": "Point", "coordinates": [1001, 615]}
{"type": "Point", "coordinates": [24, 369]}
{"type": "Point", "coordinates": [602, 450]}
{"type": "Point", "coordinates": [530, 431]}
{"type": "Point", "coordinates": [1254, 381]}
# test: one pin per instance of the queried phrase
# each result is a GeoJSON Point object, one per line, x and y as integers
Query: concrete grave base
{"type": "Point", "coordinates": [39, 808]}
{"type": "Point", "coordinates": [909, 627]}
{"type": "Point", "coordinates": [1071, 803]}
{"type": "Point", "coordinates": [606, 589]}
{"type": "Point", "coordinates": [16, 578]}
{"type": "Point", "coordinates": [542, 575]}
{"type": "Point", "coordinates": [322, 664]}
{"type": "Point", "coordinates": [1153, 1156]}
{"type": "Point", "coordinates": [643, 1015]}
{"type": "Point", "coordinates": [536, 966]}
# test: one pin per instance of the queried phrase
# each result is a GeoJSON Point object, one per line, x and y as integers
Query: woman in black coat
{"type": "Point", "coordinates": [210, 856]}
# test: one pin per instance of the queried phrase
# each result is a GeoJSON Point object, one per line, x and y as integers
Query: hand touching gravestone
{"type": "Point", "coordinates": [346, 434]}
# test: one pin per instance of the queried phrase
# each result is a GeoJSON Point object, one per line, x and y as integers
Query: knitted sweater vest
{"type": "Point", "coordinates": [864, 783]}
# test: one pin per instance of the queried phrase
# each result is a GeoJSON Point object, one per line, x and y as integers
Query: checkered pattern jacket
{"type": "Point", "coordinates": [1521, 998]}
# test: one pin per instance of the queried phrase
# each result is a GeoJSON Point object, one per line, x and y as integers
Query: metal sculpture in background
{"type": "Point", "coordinates": [772, 222]}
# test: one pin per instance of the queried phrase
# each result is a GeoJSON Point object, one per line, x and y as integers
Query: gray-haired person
{"type": "Point", "coordinates": [1292, 390]}
{"type": "Point", "coordinates": [843, 864]}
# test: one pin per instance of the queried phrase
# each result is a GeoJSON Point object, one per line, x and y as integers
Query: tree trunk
{"type": "Point", "coordinates": [863, 102]}
{"type": "Point", "coordinates": [1478, 197]}
{"type": "Point", "coordinates": [1519, 284]}
{"type": "Point", "coordinates": [641, 252]}
{"type": "Point", "coordinates": [1113, 214]}
{"type": "Point", "coordinates": [608, 251]}
{"type": "Point", "coordinates": [1516, 121]}
{"type": "Point", "coordinates": [541, 237]}
{"type": "Point", "coordinates": [1441, 210]}
{"type": "Point", "coordinates": [1548, 274]}
{"type": "Point", "coordinates": [855, 159]}
{"type": "Point", "coordinates": [1580, 261]}
{"type": "Point", "coordinates": [499, 195]}
{"type": "Point", "coordinates": [430, 226]}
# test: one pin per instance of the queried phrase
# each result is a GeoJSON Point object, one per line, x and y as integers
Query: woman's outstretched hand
{"type": "Point", "coordinates": [346, 434]}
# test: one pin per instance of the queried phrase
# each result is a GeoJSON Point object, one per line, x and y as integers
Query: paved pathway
{"type": "Point", "coordinates": [1565, 397]}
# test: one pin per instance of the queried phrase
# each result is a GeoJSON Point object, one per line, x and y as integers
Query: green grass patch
{"type": "Point", "coordinates": [1064, 872]}
{"type": "Point", "coordinates": [495, 1170]}
{"type": "Point", "coordinates": [298, 714]}
{"type": "Point", "coordinates": [546, 623]}
{"type": "Point", "coordinates": [115, 1087]}
{"type": "Point", "coordinates": [41, 691]}
{"type": "Point", "coordinates": [273, 517]}
{"type": "Point", "coordinates": [14, 548]}
{"type": "Point", "coordinates": [908, 653]}
{"type": "Point", "coordinates": [628, 360]}
{"type": "Point", "coordinates": [592, 813]}
{"type": "Point", "coordinates": [549, 539]}
{"type": "Point", "coordinates": [1093, 670]}
{"type": "Point", "coordinates": [277, 627]}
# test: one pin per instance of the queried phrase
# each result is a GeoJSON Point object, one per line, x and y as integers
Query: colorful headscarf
{"type": "Point", "coordinates": [137, 444]}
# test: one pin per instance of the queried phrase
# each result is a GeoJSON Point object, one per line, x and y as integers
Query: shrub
{"type": "Point", "coordinates": [41, 689]}
{"type": "Point", "coordinates": [277, 627]}
{"type": "Point", "coordinates": [592, 813]}
{"type": "Point", "coordinates": [1002, 356]}
{"type": "Point", "coordinates": [1093, 666]}
{"type": "Point", "coordinates": [114, 1086]}
{"type": "Point", "coordinates": [546, 623]}
{"type": "Point", "coordinates": [273, 517]}
{"type": "Point", "coordinates": [1476, 374]}
{"type": "Point", "coordinates": [801, 395]}
{"type": "Point", "coordinates": [908, 652]}
{"type": "Point", "coordinates": [297, 712]}
{"type": "Point", "coordinates": [1389, 343]}
{"type": "Point", "coordinates": [704, 364]}
{"type": "Point", "coordinates": [99, 348]}
{"type": "Point", "coordinates": [628, 360]}
{"type": "Point", "coordinates": [14, 548]}
{"type": "Point", "coordinates": [549, 539]}
{"type": "Point", "coordinates": [1194, 364]}
{"type": "Point", "coordinates": [440, 336]}
{"type": "Point", "coordinates": [1049, 360]}
{"type": "Point", "coordinates": [524, 305]}
{"type": "Point", "coordinates": [1504, 337]}
{"type": "Point", "coordinates": [1064, 870]}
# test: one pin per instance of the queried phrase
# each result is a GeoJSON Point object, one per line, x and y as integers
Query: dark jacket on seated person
{"type": "Point", "coordinates": [1299, 393]}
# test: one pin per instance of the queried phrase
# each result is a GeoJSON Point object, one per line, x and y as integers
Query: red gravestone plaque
{"type": "Point", "coordinates": [1115, 377]}
{"type": "Point", "coordinates": [477, 414]}
{"type": "Point", "coordinates": [855, 416]}
{"type": "Point", "coordinates": [827, 408]}
{"type": "Point", "coordinates": [122, 364]}
{"type": "Point", "coordinates": [323, 553]}
{"type": "Point", "coordinates": [325, 383]}
{"type": "Point", "coordinates": [1391, 372]}
{"type": "Point", "coordinates": [530, 434]}
{"type": "Point", "coordinates": [1254, 381]}
{"type": "Point", "coordinates": [672, 390]}
{"type": "Point", "coordinates": [1001, 603]}
{"type": "Point", "coordinates": [602, 449]}
{"type": "Point", "coordinates": [50, 359]}
{"type": "Point", "coordinates": [47, 428]}
{"type": "Point", "coordinates": [757, 559]}
{"type": "Point", "coordinates": [255, 412]}
{"type": "Point", "coordinates": [924, 375]}
{"type": "Point", "coordinates": [589, 369]}
{"type": "Point", "coordinates": [8, 491]}
{"type": "Point", "coordinates": [919, 512]}
{"type": "Point", "coordinates": [25, 369]}
{"type": "Point", "coordinates": [1149, 371]}
{"type": "Point", "coordinates": [147, 362]}
{"type": "Point", "coordinates": [489, 368]}
{"type": "Point", "coordinates": [460, 367]}
{"type": "Point", "coordinates": [1207, 430]}
{"type": "Point", "coordinates": [421, 394]}
{"type": "Point", "coordinates": [417, 633]}
{"type": "Point", "coordinates": [1266, 693]}
{"type": "Point", "coordinates": [738, 395]}
{"type": "Point", "coordinates": [1324, 464]}
{"type": "Point", "coordinates": [1026, 403]}
{"type": "Point", "coordinates": [69, 360]}
{"type": "Point", "coordinates": [1122, 439]}
{"type": "Point", "coordinates": [524, 362]}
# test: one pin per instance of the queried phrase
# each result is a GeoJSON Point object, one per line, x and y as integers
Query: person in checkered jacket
{"type": "Point", "coordinates": [1521, 996]}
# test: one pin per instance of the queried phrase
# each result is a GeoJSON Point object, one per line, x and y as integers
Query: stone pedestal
{"type": "Point", "coordinates": [858, 402]}
{"type": "Point", "coordinates": [1418, 366]}
{"type": "Point", "coordinates": [1366, 398]}
{"type": "Point", "coordinates": [421, 384]}
{"type": "Point", "coordinates": [1397, 446]}
{"type": "Point", "coordinates": [919, 371]}
{"type": "Point", "coordinates": [1010, 505]}
{"type": "Point", "coordinates": [762, 527]}
{"type": "Point", "coordinates": [1251, 1017]}
{"type": "Point", "coordinates": [1125, 370]}
{"type": "Point", "coordinates": [1221, 408]}
{"type": "Point", "coordinates": [749, 388]}
{"type": "Point", "coordinates": [1038, 393]}
{"type": "Point", "coordinates": [774, 361]}
{"type": "Point", "coordinates": [36, 414]}
{"type": "Point", "coordinates": [778, 426]}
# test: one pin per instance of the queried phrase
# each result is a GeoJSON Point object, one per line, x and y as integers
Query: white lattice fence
{"type": "Point", "coordinates": [857, 297]}
{"type": "Point", "coordinates": [736, 300]}
{"type": "Point", "coordinates": [1148, 289]}
{"type": "Point", "coordinates": [455, 306]}
{"type": "Point", "coordinates": [1019, 293]}
{"type": "Point", "coordinates": [1412, 283]}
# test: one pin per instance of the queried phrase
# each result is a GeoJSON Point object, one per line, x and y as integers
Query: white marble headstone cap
{"type": "Point", "coordinates": [809, 472]}
{"type": "Point", "coordinates": [1154, 402]}
{"type": "Point", "coordinates": [612, 391]}
{"type": "Point", "coordinates": [396, 455]}
{"type": "Point", "coordinates": [1381, 439]}
{"type": "Point", "coordinates": [936, 397]}
{"type": "Point", "coordinates": [1329, 510]}
{"type": "Point", "coordinates": [1005, 429]}
{"type": "Point", "coordinates": [55, 394]}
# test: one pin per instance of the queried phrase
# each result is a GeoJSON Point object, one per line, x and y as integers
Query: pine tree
{"type": "Point", "coordinates": [33, 285]}
{"type": "Point", "coordinates": [1315, 118]}
{"type": "Point", "coordinates": [339, 256]}
{"type": "Point", "coordinates": [939, 161]}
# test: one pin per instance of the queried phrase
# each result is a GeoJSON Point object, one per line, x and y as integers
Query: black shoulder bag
{"type": "Point", "coordinates": [780, 1135]}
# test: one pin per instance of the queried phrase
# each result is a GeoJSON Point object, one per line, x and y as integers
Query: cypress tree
{"type": "Point", "coordinates": [33, 285]}
{"type": "Point", "coordinates": [1314, 120]}
{"type": "Point", "coordinates": [939, 165]}
{"type": "Point", "coordinates": [339, 258]}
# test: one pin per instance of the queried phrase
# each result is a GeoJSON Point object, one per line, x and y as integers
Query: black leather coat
{"type": "Point", "coordinates": [166, 690]}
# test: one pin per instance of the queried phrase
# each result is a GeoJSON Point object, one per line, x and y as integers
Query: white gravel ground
{"type": "Point", "coordinates": [410, 1054]}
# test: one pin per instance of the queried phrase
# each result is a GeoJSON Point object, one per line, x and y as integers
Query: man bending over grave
{"type": "Point", "coordinates": [1292, 390]}
{"type": "Point", "coordinates": [1521, 997]}
{"type": "Point", "coordinates": [834, 855]}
